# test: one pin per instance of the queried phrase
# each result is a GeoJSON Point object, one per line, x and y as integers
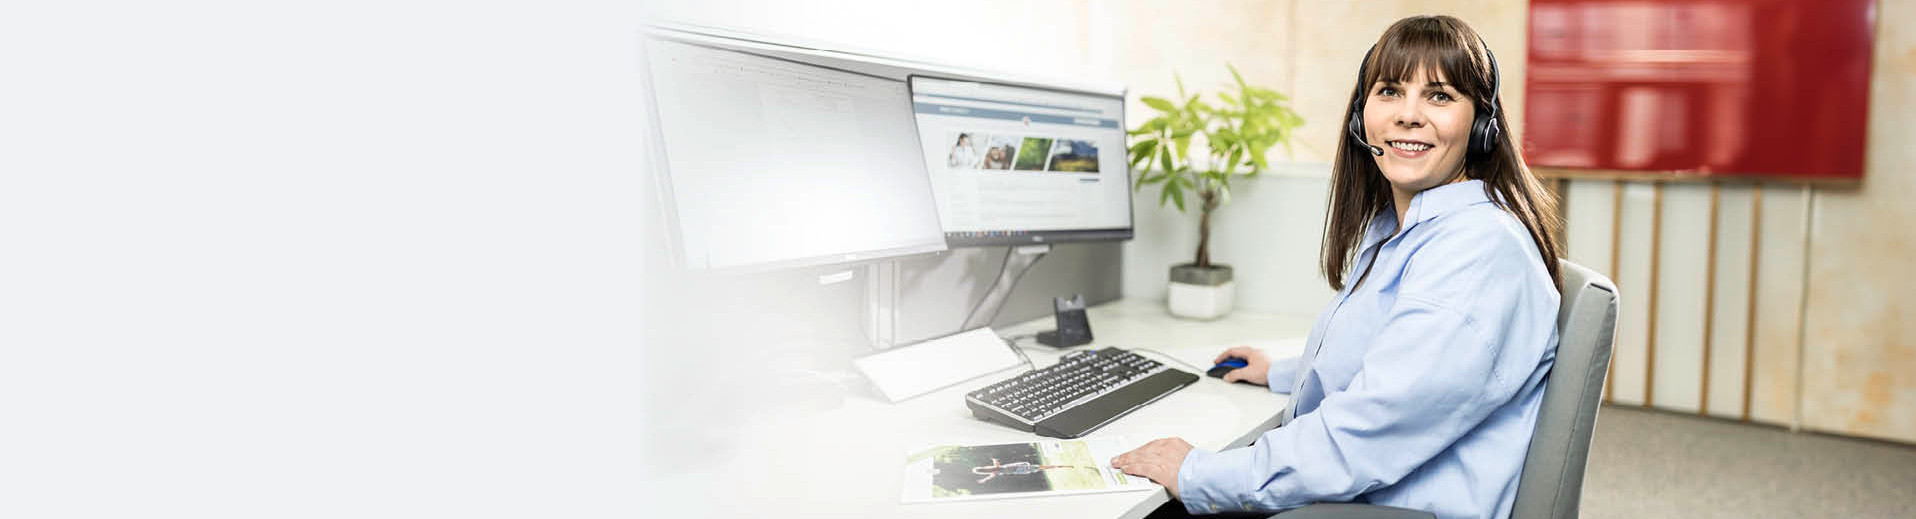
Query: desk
{"type": "Point", "coordinates": [845, 459]}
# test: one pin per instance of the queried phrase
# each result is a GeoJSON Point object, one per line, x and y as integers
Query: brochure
{"type": "Point", "coordinates": [1041, 468]}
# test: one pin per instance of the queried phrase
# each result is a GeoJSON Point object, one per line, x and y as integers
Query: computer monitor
{"type": "Point", "coordinates": [1022, 165]}
{"type": "Point", "coordinates": [774, 163]}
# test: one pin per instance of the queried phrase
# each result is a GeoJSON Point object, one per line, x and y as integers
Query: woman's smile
{"type": "Point", "coordinates": [1410, 148]}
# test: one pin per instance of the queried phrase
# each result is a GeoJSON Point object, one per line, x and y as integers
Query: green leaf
{"type": "Point", "coordinates": [1159, 103]}
{"type": "Point", "coordinates": [1174, 192]}
{"type": "Point", "coordinates": [1143, 150]}
{"type": "Point", "coordinates": [1225, 136]}
{"type": "Point", "coordinates": [1144, 146]}
{"type": "Point", "coordinates": [1164, 158]}
{"type": "Point", "coordinates": [1235, 75]}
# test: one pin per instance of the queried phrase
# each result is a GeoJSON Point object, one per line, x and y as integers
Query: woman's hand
{"type": "Point", "coordinates": [1157, 461]}
{"type": "Point", "coordinates": [1257, 369]}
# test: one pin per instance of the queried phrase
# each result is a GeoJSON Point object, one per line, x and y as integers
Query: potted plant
{"type": "Point", "coordinates": [1232, 138]}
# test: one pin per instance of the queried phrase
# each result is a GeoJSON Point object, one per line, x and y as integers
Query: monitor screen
{"type": "Point", "coordinates": [776, 163]}
{"type": "Point", "coordinates": [1014, 164]}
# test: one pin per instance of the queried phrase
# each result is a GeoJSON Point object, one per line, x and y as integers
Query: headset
{"type": "Point", "coordinates": [1484, 131]}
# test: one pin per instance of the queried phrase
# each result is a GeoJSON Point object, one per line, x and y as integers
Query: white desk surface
{"type": "Point", "coordinates": [847, 460]}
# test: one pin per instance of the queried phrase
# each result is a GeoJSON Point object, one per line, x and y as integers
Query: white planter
{"type": "Point", "coordinates": [1202, 301]}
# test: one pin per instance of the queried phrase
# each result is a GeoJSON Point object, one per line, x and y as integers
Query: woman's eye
{"type": "Point", "coordinates": [1441, 97]}
{"type": "Point", "coordinates": [1387, 91]}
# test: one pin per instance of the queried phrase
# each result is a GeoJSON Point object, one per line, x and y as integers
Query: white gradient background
{"type": "Point", "coordinates": [340, 259]}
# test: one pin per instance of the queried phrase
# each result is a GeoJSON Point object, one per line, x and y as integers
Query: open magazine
{"type": "Point", "coordinates": [1042, 468]}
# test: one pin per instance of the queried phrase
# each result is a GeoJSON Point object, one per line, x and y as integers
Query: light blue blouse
{"type": "Point", "coordinates": [1420, 386]}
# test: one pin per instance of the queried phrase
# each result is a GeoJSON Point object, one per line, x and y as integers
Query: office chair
{"type": "Point", "coordinates": [1552, 481]}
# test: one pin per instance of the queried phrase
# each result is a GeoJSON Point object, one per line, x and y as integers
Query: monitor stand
{"type": "Point", "coordinates": [1017, 260]}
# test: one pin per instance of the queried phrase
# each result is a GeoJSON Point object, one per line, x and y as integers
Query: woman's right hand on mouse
{"type": "Point", "coordinates": [1257, 365]}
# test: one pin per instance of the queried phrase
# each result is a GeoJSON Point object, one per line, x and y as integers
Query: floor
{"type": "Point", "coordinates": [1654, 464]}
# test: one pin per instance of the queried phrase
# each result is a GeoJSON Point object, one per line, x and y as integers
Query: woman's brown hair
{"type": "Point", "coordinates": [1359, 191]}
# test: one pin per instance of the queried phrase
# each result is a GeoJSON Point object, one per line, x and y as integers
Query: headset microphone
{"type": "Point", "coordinates": [1374, 149]}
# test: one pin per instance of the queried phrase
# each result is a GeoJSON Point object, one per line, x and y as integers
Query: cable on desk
{"type": "Point", "coordinates": [1015, 338]}
{"type": "Point", "coordinates": [1020, 350]}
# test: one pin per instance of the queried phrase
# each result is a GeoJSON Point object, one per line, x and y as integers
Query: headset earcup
{"type": "Point", "coordinates": [1484, 134]}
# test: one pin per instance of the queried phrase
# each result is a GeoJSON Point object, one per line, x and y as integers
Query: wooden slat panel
{"type": "Point", "coordinates": [1682, 294]}
{"type": "Point", "coordinates": [1779, 288]}
{"type": "Point", "coordinates": [1650, 332]}
{"type": "Point", "coordinates": [1588, 224]}
{"type": "Point", "coordinates": [1616, 245]}
{"type": "Point", "coordinates": [1729, 319]}
{"type": "Point", "coordinates": [1709, 300]}
{"type": "Point", "coordinates": [1634, 254]}
{"type": "Point", "coordinates": [1749, 335]}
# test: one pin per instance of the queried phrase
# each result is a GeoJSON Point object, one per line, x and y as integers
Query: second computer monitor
{"type": "Point", "coordinates": [774, 163]}
{"type": "Point", "coordinates": [1017, 165]}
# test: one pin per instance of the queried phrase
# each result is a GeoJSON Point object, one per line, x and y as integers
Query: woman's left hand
{"type": "Point", "coordinates": [1157, 461]}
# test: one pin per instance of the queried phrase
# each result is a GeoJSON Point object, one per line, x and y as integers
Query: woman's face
{"type": "Point", "coordinates": [1423, 124]}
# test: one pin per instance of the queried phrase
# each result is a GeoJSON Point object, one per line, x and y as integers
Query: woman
{"type": "Point", "coordinates": [1420, 384]}
{"type": "Point", "coordinates": [1016, 468]}
{"type": "Point", "coordinates": [962, 154]}
{"type": "Point", "coordinates": [997, 157]}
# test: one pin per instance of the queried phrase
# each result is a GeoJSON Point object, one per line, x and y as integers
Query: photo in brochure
{"type": "Point", "coordinates": [1043, 468]}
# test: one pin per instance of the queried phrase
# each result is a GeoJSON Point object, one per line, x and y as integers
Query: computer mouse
{"type": "Point", "coordinates": [1227, 366]}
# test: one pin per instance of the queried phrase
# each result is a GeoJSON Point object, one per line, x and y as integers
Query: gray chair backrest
{"type": "Point", "coordinates": [1552, 480]}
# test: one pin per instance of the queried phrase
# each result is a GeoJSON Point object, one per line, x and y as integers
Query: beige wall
{"type": "Point", "coordinates": [1308, 50]}
{"type": "Point", "coordinates": [1860, 371]}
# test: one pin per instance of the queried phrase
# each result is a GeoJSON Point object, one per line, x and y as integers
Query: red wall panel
{"type": "Point", "coordinates": [1715, 88]}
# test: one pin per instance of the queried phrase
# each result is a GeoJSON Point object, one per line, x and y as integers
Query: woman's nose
{"type": "Point", "coordinates": [1409, 115]}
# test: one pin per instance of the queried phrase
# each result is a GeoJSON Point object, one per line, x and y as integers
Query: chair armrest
{"type": "Point", "coordinates": [1352, 511]}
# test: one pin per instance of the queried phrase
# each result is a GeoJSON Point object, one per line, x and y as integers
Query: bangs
{"type": "Point", "coordinates": [1428, 45]}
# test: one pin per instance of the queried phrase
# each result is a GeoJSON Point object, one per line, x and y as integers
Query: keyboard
{"type": "Point", "coordinates": [1084, 391]}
